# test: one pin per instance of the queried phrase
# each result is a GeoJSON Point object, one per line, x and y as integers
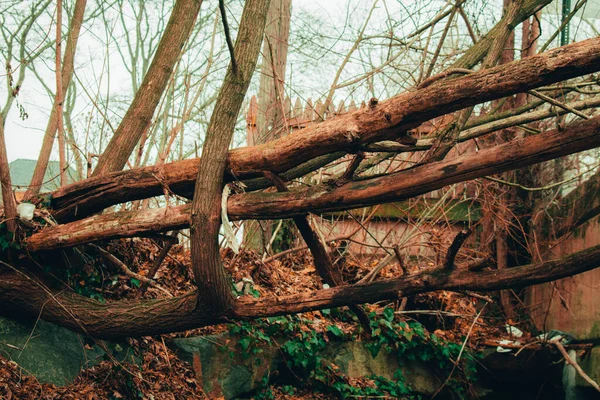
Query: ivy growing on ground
{"type": "Point", "coordinates": [7, 240]}
{"type": "Point", "coordinates": [303, 347]}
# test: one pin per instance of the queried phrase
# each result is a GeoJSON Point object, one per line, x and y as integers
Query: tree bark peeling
{"type": "Point", "coordinates": [398, 186]}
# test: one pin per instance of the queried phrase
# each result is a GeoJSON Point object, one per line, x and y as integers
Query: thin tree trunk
{"type": "Point", "coordinates": [213, 282]}
{"type": "Point", "coordinates": [54, 119]}
{"type": "Point", "coordinates": [139, 115]}
{"type": "Point", "coordinates": [60, 96]}
{"type": "Point", "coordinates": [270, 116]}
{"type": "Point", "coordinates": [270, 119]}
{"type": "Point", "coordinates": [10, 206]}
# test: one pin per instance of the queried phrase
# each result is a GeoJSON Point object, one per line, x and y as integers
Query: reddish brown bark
{"type": "Point", "coordinates": [25, 296]}
{"type": "Point", "coordinates": [349, 132]}
{"type": "Point", "coordinates": [214, 284]}
{"type": "Point", "coordinates": [56, 114]}
{"type": "Point", "coordinates": [394, 187]}
{"type": "Point", "coordinates": [139, 114]}
{"type": "Point", "coordinates": [8, 199]}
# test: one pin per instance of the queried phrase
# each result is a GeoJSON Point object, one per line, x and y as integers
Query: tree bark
{"type": "Point", "coordinates": [480, 49]}
{"type": "Point", "coordinates": [214, 284]}
{"type": "Point", "coordinates": [321, 198]}
{"type": "Point", "coordinates": [270, 118]}
{"type": "Point", "coordinates": [349, 132]}
{"type": "Point", "coordinates": [8, 199]}
{"type": "Point", "coordinates": [37, 179]}
{"type": "Point", "coordinates": [139, 114]}
{"type": "Point", "coordinates": [25, 296]}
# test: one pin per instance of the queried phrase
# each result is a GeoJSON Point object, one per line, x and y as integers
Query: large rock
{"type": "Point", "coordinates": [220, 366]}
{"type": "Point", "coordinates": [590, 363]}
{"type": "Point", "coordinates": [355, 360]}
{"type": "Point", "coordinates": [226, 372]}
{"type": "Point", "coordinates": [49, 352]}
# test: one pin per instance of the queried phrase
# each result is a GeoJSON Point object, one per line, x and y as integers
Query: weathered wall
{"type": "Point", "coordinates": [570, 304]}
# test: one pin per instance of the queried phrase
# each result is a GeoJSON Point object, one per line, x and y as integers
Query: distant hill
{"type": "Point", "coordinates": [21, 172]}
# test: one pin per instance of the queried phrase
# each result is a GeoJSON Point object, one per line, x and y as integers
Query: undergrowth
{"type": "Point", "coordinates": [303, 349]}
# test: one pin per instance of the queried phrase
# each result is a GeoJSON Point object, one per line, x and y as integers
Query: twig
{"type": "Point", "coordinates": [451, 71]}
{"type": "Point", "coordinates": [166, 351]}
{"type": "Point", "coordinates": [400, 261]}
{"type": "Point", "coordinates": [536, 345]}
{"type": "Point", "coordinates": [354, 164]}
{"type": "Point", "coordinates": [574, 364]}
{"type": "Point", "coordinates": [160, 258]}
{"type": "Point", "coordinates": [373, 273]}
{"type": "Point", "coordinates": [557, 103]}
{"type": "Point", "coordinates": [129, 272]}
{"type": "Point", "coordinates": [461, 351]}
{"type": "Point", "coordinates": [455, 247]}
{"type": "Point", "coordinates": [479, 296]}
{"type": "Point", "coordinates": [228, 36]}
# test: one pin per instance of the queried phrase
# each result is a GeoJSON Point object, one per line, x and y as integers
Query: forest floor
{"type": "Point", "coordinates": [162, 375]}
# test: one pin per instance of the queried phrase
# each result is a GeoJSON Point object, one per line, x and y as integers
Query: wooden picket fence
{"type": "Point", "coordinates": [388, 225]}
{"type": "Point", "coordinates": [303, 114]}
{"type": "Point", "coordinates": [297, 116]}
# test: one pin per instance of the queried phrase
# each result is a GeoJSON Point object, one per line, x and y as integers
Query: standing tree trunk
{"type": "Point", "coordinates": [10, 207]}
{"type": "Point", "coordinates": [60, 95]}
{"type": "Point", "coordinates": [139, 114]}
{"type": "Point", "coordinates": [270, 112]}
{"type": "Point", "coordinates": [214, 285]}
{"type": "Point", "coordinates": [67, 73]}
{"type": "Point", "coordinates": [503, 197]}
{"type": "Point", "coordinates": [270, 116]}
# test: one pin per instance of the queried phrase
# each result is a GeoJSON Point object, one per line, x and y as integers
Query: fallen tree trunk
{"type": "Point", "coordinates": [572, 211]}
{"type": "Point", "coordinates": [350, 132]}
{"type": "Point", "coordinates": [398, 186]}
{"type": "Point", "coordinates": [483, 129]}
{"type": "Point", "coordinates": [24, 295]}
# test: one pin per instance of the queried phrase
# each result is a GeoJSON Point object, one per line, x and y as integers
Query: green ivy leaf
{"type": "Point", "coordinates": [335, 330]}
{"type": "Point", "coordinates": [245, 343]}
{"type": "Point", "coordinates": [388, 313]}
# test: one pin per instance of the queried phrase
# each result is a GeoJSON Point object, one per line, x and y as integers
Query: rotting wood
{"type": "Point", "coordinates": [321, 198]}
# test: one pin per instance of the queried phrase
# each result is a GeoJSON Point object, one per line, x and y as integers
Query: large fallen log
{"type": "Point", "coordinates": [24, 295]}
{"type": "Point", "coordinates": [388, 120]}
{"type": "Point", "coordinates": [398, 186]}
